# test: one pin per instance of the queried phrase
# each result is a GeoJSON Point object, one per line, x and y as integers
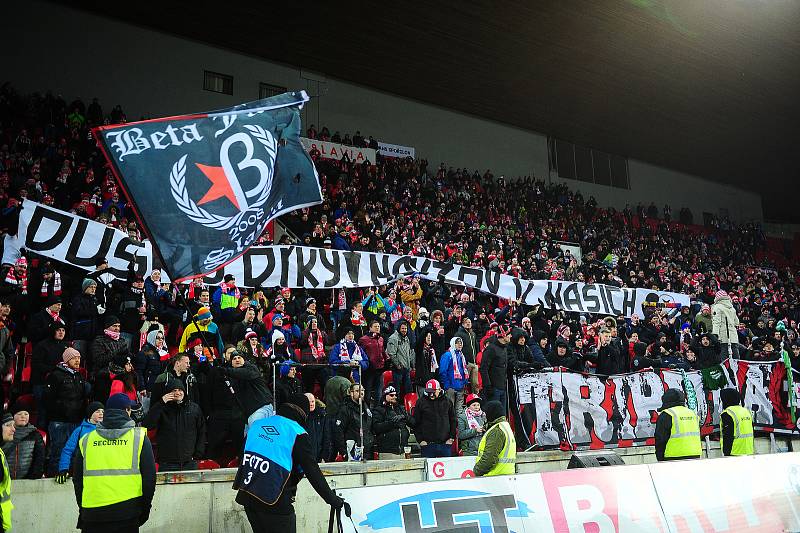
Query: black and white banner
{"type": "Point", "coordinates": [78, 241]}
{"type": "Point", "coordinates": [569, 410]}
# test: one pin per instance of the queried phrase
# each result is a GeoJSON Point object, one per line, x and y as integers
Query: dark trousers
{"type": "Point", "coordinates": [373, 385]}
{"type": "Point", "coordinates": [402, 382]}
{"type": "Point", "coordinates": [436, 450]}
{"type": "Point", "coordinates": [106, 527]}
{"type": "Point", "coordinates": [177, 467]}
{"type": "Point", "coordinates": [57, 436]}
{"type": "Point", "coordinates": [264, 522]}
{"type": "Point", "coordinates": [221, 428]}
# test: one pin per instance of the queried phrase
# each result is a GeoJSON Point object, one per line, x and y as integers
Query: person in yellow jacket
{"type": "Point", "coordinates": [497, 451]}
{"type": "Point", "coordinates": [677, 429]}
{"type": "Point", "coordinates": [114, 472]}
{"type": "Point", "coordinates": [5, 482]}
{"type": "Point", "coordinates": [736, 425]}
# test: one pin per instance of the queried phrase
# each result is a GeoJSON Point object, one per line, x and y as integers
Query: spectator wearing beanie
{"type": "Point", "coordinates": [39, 324]}
{"type": "Point", "coordinates": [202, 326]}
{"type": "Point", "coordinates": [389, 424]}
{"type": "Point", "coordinates": [25, 454]}
{"type": "Point", "coordinates": [46, 355]}
{"type": "Point", "coordinates": [94, 414]}
{"type": "Point", "coordinates": [65, 397]}
{"type": "Point", "coordinates": [181, 429]}
{"type": "Point", "coordinates": [724, 323]}
{"type": "Point", "coordinates": [287, 383]}
{"type": "Point", "coordinates": [84, 316]}
{"type": "Point", "coordinates": [107, 346]}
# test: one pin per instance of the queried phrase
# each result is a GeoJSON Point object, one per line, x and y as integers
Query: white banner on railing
{"type": "Point", "coordinates": [329, 150]}
{"type": "Point", "coordinates": [450, 468]}
{"type": "Point", "coordinates": [757, 493]}
{"type": "Point", "coordinates": [395, 150]}
{"type": "Point", "coordinates": [79, 241]}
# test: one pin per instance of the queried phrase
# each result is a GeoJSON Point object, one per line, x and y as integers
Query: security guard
{"type": "Point", "coordinates": [5, 482]}
{"type": "Point", "coordinates": [736, 425]}
{"type": "Point", "coordinates": [497, 451]}
{"type": "Point", "coordinates": [677, 429]}
{"type": "Point", "coordinates": [277, 454]}
{"type": "Point", "coordinates": [114, 472]}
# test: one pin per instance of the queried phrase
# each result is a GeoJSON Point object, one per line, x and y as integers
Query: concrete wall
{"type": "Point", "coordinates": [77, 54]}
{"type": "Point", "coordinates": [204, 502]}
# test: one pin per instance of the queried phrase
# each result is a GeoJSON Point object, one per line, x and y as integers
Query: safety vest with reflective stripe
{"type": "Point", "coordinates": [684, 437]}
{"type": "Point", "coordinates": [5, 495]}
{"type": "Point", "coordinates": [111, 471]}
{"type": "Point", "coordinates": [743, 443]}
{"type": "Point", "coordinates": [508, 455]}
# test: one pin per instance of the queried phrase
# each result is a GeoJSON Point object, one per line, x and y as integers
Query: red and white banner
{"type": "Point", "coordinates": [570, 411]}
{"type": "Point", "coordinates": [758, 493]}
{"type": "Point", "coordinates": [329, 150]}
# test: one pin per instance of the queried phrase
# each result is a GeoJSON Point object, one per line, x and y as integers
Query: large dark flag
{"type": "Point", "coordinates": [206, 185]}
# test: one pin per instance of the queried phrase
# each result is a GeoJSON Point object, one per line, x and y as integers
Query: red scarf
{"type": "Point", "coordinates": [21, 280]}
{"type": "Point", "coordinates": [317, 347]}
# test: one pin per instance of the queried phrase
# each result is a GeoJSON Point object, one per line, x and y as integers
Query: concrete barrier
{"type": "Point", "coordinates": [202, 501]}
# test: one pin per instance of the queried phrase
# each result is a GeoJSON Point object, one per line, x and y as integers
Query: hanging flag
{"type": "Point", "coordinates": [206, 185]}
{"type": "Point", "coordinates": [611, 260]}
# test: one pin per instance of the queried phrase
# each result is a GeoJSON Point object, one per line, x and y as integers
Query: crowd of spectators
{"type": "Point", "coordinates": [413, 357]}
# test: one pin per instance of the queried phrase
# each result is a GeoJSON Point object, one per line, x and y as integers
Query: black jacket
{"type": "Point", "coordinates": [147, 364]}
{"type": "Point", "coordinates": [104, 349]}
{"type": "Point", "coordinates": [471, 344]}
{"type": "Point", "coordinates": [181, 430]}
{"type": "Point", "coordinates": [285, 387]}
{"type": "Point", "coordinates": [250, 387]}
{"type": "Point", "coordinates": [434, 421]}
{"type": "Point", "coordinates": [494, 365]}
{"type": "Point", "coordinates": [39, 326]}
{"type": "Point", "coordinates": [65, 396]}
{"type": "Point", "coordinates": [83, 317]}
{"type": "Point", "coordinates": [348, 424]}
{"type": "Point", "coordinates": [190, 385]}
{"type": "Point", "coordinates": [318, 431]}
{"type": "Point", "coordinates": [571, 360]}
{"type": "Point", "coordinates": [390, 429]}
{"type": "Point", "coordinates": [221, 396]}
{"type": "Point", "coordinates": [612, 359]}
{"type": "Point", "coordinates": [46, 355]}
{"type": "Point", "coordinates": [136, 510]}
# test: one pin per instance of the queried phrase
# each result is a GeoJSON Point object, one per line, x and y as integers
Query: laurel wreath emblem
{"type": "Point", "coordinates": [177, 181]}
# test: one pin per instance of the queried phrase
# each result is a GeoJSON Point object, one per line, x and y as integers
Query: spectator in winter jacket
{"type": "Point", "coordinates": [181, 429]}
{"type": "Point", "coordinates": [25, 454]}
{"type": "Point", "coordinates": [178, 367]}
{"type": "Point", "coordinates": [398, 348]}
{"type": "Point", "coordinates": [150, 359]}
{"type": "Point", "coordinates": [337, 390]}
{"type": "Point", "coordinates": [389, 424]}
{"type": "Point", "coordinates": [84, 315]}
{"type": "Point", "coordinates": [494, 366]}
{"type": "Point", "coordinates": [471, 348]}
{"type": "Point", "coordinates": [39, 324]}
{"type": "Point", "coordinates": [453, 373]}
{"type": "Point", "coordinates": [316, 427]}
{"type": "Point", "coordinates": [471, 425]}
{"type": "Point", "coordinates": [724, 323]}
{"type": "Point", "coordinates": [520, 356]}
{"type": "Point", "coordinates": [374, 346]}
{"type": "Point", "coordinates": [426, 361]}
{"type": "Point", "coordinates": [703, 321]}
{"type": "Point", "coordinates": [287, 383]}
{"type": "Point", "coordinates": [94, 414]}
{"type": "Point", "coordinates": [347, 358]}
{"type": "Point", "coordinates": [226, 419]}
{"type": "Point", "coordinates": [250, 388]}
{"type": "Point", "coordinates": [561, 356]}
{"type": "Point", "coordinates": [65, 396]}
{"type": "Point", "coordinates": [707, 349]}
{"type": "Point", "coordinates": [46, 355]}
{"type": "Point", "coordinates": [610, 358]}
{"type": "Point", "coordinates": [312, 351]}
{"type": "Point", "coordinates": [353, 417]}
{"type": "Point", "coordinates": [495, 441]}
{"type": "Point", "coordinates": [434, 422]}
{"type": "Point", "coordinates": [202, 326]}
{"type": "Point", "coordinates": [107, 346]}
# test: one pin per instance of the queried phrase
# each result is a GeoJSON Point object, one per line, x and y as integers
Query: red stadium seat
{"type": "Point", "coordinates": [387, 378]}
{"type": "Point", "coordinates": [43, 433]}
{"type": "Point", "coordinates": [233, 463]}
{"type": "Point", "coordinates": [207, 464]}
{"type": "Point", "coordinates": [410, 401]}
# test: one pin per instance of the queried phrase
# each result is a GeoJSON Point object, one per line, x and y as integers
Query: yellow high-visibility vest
{"type": "Point", "coordinates": [5, 494]}
{"type": "Point", "coordinates": [508, 456]}
{"type": "Point", "coordinates": [743, 441]}
{"type": "Point", "coordinates": [684, 437]}
{"type": "Point", "coordinates": [111, 471]}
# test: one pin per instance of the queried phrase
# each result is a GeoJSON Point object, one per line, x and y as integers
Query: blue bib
{"type": "Point", "coordinates": [267, 459]}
